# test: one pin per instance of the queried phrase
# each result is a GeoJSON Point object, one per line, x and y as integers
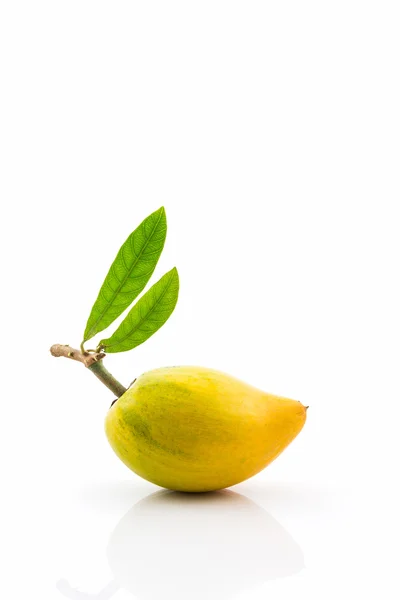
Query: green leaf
{"type": "Point", "coordinates": [129, 273]}
{"type": "Point", "coordinates": [147, 316]}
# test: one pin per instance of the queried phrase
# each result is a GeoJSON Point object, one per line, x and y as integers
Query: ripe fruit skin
{"type": "Point", "coordinates": [193, 429]}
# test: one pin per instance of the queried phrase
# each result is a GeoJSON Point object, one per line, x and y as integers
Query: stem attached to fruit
{"type": "Point", "coordinates": [105, 377]}
{"type": "Point", "coordinates": [92, 361]}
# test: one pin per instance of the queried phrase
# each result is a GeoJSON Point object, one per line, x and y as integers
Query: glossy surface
{"type": "Point", "coordinates": [270, 131]}
{"type": "Point", "coordinates": [198, 531]}
{"type": "Point", "coordinates": [195, 429]}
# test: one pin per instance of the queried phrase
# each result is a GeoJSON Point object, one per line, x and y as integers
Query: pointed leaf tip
{"type": "Point", "coordinates": [147, 316]}
{"type": "Point", "coordinates": [129, 273]}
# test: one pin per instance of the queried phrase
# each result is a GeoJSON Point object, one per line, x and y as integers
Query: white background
{"type": "Point", "coordinates": [270, 132]}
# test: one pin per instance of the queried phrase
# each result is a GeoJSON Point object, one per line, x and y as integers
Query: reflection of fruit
{"type": "Point", "coordinates": [194, 429]}
{"type": "Point", "coordinates": [189, 547]}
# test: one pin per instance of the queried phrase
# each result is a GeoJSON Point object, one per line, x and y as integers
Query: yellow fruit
{"type": "Point", "coordinates": [194, 429]}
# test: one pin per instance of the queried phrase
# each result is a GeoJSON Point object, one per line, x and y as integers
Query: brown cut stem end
{"type": "Point", "coordinates": [86, 358]}
{"type": "Point", "coordinates": [93, 361]}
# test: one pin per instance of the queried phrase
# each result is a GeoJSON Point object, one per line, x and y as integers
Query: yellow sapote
{"type": "Point", "coordinates": [185, 428]}
{"type": "Point", "coordinates": [194, 429]}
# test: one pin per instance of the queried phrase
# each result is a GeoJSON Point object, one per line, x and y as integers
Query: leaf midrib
{"type": "Point", "coordinates": [142, 320]}
{"type": "Point", "coordinates": [125, 278]}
